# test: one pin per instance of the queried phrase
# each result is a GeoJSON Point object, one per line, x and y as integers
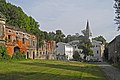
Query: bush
{"type": "Point", "coordinates": [18, 55]}
{"type": "Point", "coordinates": [76, 56]}
{"type": "Point", "coordinates": [3, 53]}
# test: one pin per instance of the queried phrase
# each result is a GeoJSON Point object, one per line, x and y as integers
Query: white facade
{"type": "Point", "coordinates": [64, 51]}
{"type": "Point", "coordinates": [98, 50]}
{"type": "Point", "coordinates": [75, 45]}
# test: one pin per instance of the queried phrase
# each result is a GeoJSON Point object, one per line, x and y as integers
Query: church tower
{"type": "Point", "coordinates": [87, 33]}
{"type": "Point", "coordinates": [2, 29]}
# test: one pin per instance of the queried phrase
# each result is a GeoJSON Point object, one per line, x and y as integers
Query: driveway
{"type": "Point", "coordinates": [112, 72]}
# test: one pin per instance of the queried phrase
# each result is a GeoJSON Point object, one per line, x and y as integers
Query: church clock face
{"type": "Point", "coordinates": [1, 31]}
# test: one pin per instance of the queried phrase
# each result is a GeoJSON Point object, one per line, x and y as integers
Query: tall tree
{"type": "Point", "coordinates": [117, 12]}
{"type": "Point", "coordinates": [52, 35]}
{"type": "Point", "coordinates": [59, 36]}
{"type": "Point", "coordinates": [100, 38]}
{"type": "Point", "coordinates": [86, 49]}
{"type": "Point", "coordinates": [68, 38]}
{"type": "Point", "coordinates": [16, 17]}
{"type": "Point", "coordinates": [76, 56]}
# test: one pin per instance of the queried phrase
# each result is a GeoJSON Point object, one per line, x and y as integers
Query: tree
{"type": "Point", "coordinates": [74, 37]}
{"type": "Point", "coordinates": [76, 56]}
{"type": "Point", "coordinates": [3, 53]}
{"type": "Point", "coordinates": [86, 49]}
{"type": "Point", "coordinates": [68, 38]}
{"type": "Point", "coordinates": [52, 35]}
{"type": "Point", "coordinates": [59, 36]}
{"type": "Point", "coordinates": [117, 13]}
{"type": "Point", "coordinates": [16, 17]}
{"type": "Point", "coordinates": [100, 38]}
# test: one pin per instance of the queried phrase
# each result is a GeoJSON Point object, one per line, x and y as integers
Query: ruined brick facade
{"type": "Point", "coordinates": [47, 50]}
{"type": "Point", "coordinates": [17, 40]}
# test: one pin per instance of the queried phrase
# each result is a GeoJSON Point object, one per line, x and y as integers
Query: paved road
{"type": "Point", "coordinates": [112, 72]}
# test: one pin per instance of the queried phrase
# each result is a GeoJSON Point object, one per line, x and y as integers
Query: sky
{"type": "Point", "coordinates": [71, 16]}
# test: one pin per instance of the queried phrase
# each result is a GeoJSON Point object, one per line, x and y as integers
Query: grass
{"type": "Point", "coordinates": [49, 70]}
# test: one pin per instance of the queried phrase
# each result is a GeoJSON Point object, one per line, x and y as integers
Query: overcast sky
{"type": "Point", "coordinates": [70, 16]}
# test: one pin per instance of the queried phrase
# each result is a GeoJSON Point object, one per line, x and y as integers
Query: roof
{"type": "Point", "coordinates": [114, 39]}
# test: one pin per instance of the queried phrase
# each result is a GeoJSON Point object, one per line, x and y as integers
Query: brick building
{"type": "Point", "coordinates": [18, 40]}
{"type": "Point", "coordinates": [47, 50]}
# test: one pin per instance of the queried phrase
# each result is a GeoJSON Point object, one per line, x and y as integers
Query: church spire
{"type": "Point", "coordinates": [87, 26]}
{"type": "Point", "coordinates": [87, 32]}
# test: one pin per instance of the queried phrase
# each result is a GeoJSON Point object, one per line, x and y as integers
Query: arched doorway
{"type": "Point", "coordinates": [33, 55]}
{"type": "Point", "coordinates": [16, 49]}
{"type": "Point", "coordinates": [27, 55]}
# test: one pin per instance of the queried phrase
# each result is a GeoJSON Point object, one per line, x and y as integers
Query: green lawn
{"type": "Point", "coordinates": [49, 70]}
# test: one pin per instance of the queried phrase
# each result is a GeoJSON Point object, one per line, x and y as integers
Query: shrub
{"type": "Point", "coordinates": [76, 56]}
{"type": "Point", "coordinates": [3, 53]}
{"type": "Point", "coordinates": [19, 56]}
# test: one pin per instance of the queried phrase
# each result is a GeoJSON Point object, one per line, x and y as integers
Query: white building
{"type": "Point", "coordinates": [98, 50]}
{"type": "Point", "coordinates": [75, 44]}
{"type": "Point", "coordinates": [64, 51]}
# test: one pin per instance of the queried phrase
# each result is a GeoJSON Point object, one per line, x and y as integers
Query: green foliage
{"type": "Point", "coordinates": [52, 35]}
{"type": "Point", "coordinates": [3, 53]}
{"type": "Point", "coordinates": [100, 38]}
{"type": "Point", "coordinates": [18, 56]}
{"type": "Point", "coordinates": [16, 17]}
{"type": "Point", "coordinates": [74, 37]}
{"type": "Point", "coordinates": [59, 37]}
{"type": "Point", "coordinates": [76, 56]}
{"type": "Point", "coordinates": [117, 13]}
{"type": "Point", "coordinates": [86, 49]}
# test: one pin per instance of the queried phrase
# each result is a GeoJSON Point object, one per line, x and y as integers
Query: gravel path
{"type": "Point", "coordinates": [112, 72]}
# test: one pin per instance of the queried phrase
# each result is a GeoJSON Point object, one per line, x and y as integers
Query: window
{"type": "Point", "coordinates": [40, 53]}
{"type": "Point", "coordinates": [23, 40]}
{"type": "Point", "coordinates": [97, 51]}
{"type": "Point", "coordinates": [9, 37]}
{"type": "Point", "coordinates": [9, 30]}
{"type": "Point", "coordinates": [43, 53]}
{"type": "Point", "coordinates": [33, 43]}
{"type": "Point", "coordinates": [75, 46]}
